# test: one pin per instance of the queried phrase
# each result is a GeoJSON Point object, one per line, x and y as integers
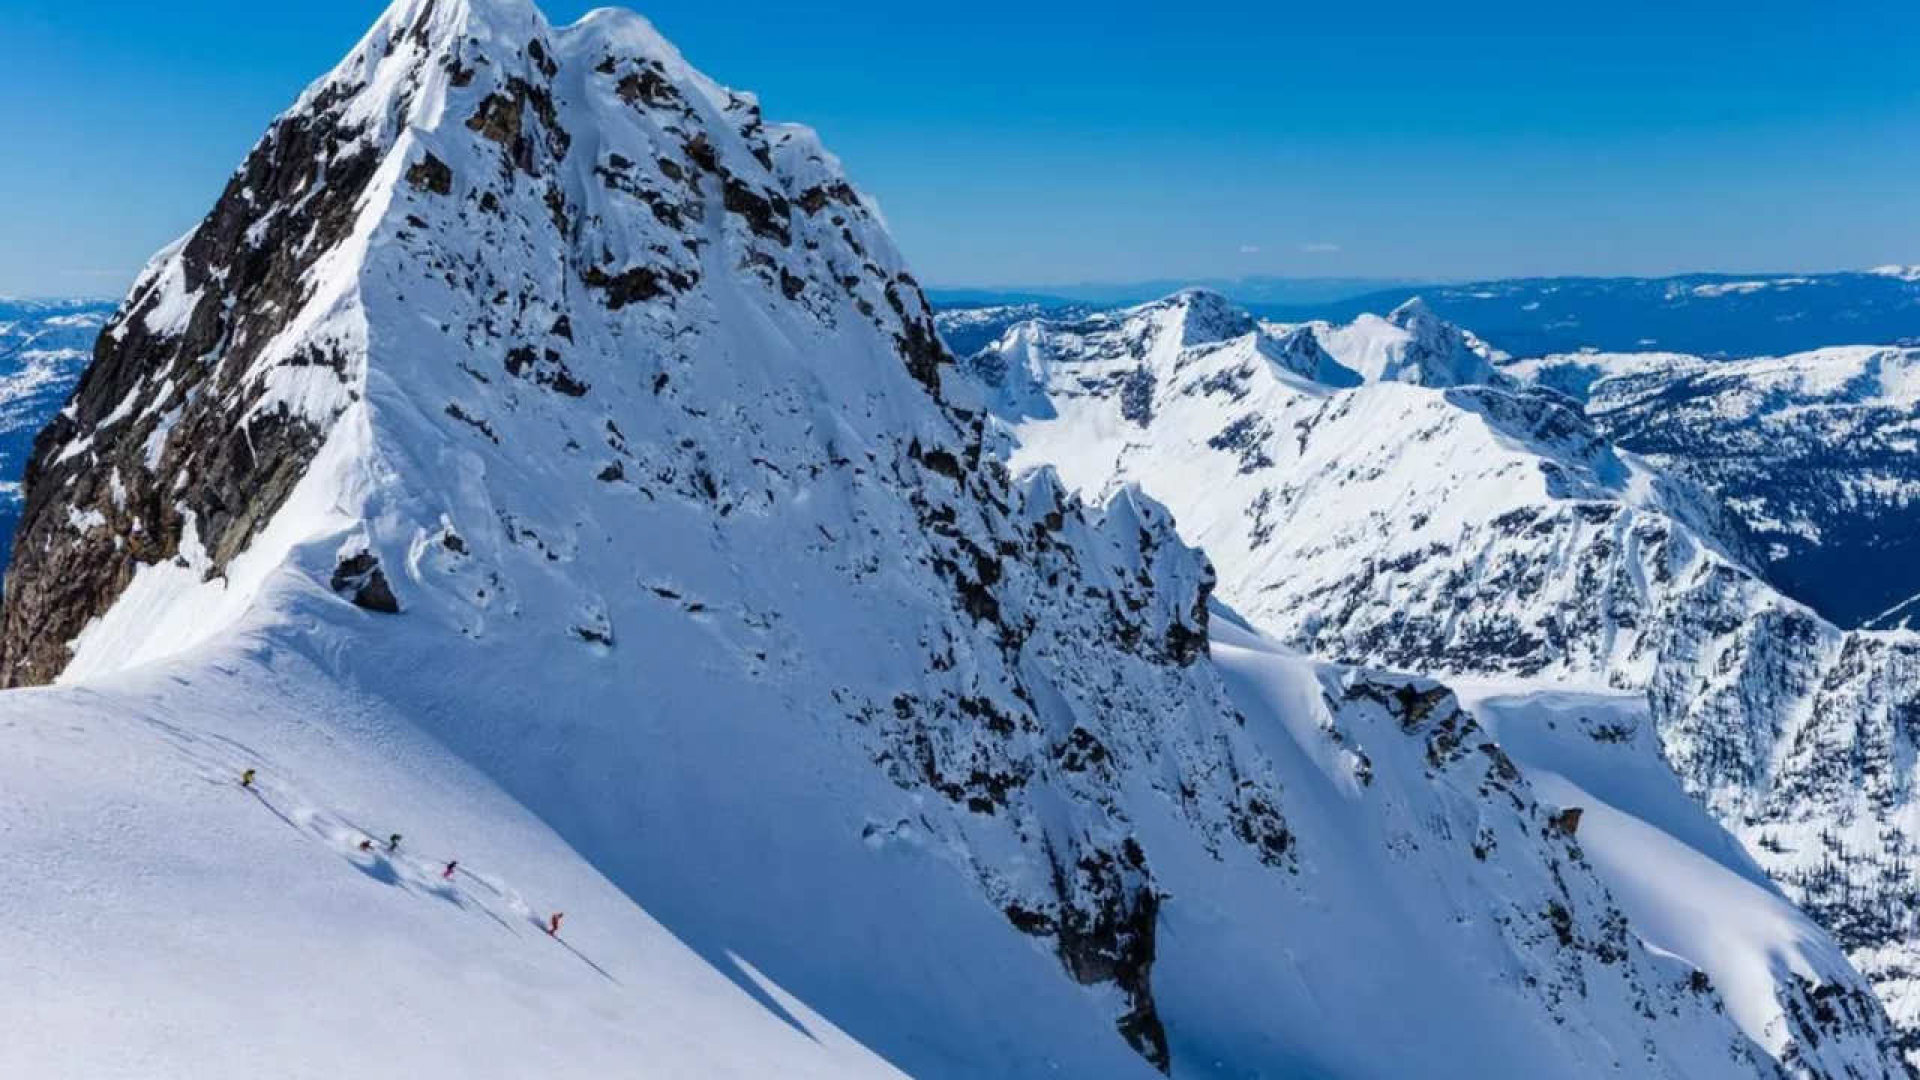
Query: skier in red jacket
{"type": "Point", "coordinates": [553, 925]}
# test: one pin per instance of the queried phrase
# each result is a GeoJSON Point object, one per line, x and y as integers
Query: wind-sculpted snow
{"type": "Point", "coordinates": [543, 405]}
{"type": "Point", "coordinates": [1463, 530]}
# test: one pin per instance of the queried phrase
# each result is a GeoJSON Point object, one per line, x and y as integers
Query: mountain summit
{"type": "Point", "coordinates": [424, 201]}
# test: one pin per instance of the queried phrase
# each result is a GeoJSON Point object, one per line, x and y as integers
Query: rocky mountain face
{"type": "Point", "coordinates": [1493, 531]}
{"type": "Point", "coordinates": [1812, 453]}
{"type": "Point", "coordinates": [539, 391]}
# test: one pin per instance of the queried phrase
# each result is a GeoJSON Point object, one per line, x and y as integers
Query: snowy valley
{"type": "Point", "coordinates": [526, 588]}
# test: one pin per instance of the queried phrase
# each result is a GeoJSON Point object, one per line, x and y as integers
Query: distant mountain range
{"type": "Point", "coordinates": [44, 346]}
{"type": "Point", "coordinates": [1246, 290]}
{"type": "Point", "coordinates": [1714, 315]}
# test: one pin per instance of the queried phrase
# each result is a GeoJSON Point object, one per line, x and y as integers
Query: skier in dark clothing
{"type": "Point", "coordinates": [393, 842]}
{"type": "Point", "coordinates": [451, 867]}
{"type": "Point", "coordinates": [366, 845]}
{"type": "Point", "coordinates": [553, 925]}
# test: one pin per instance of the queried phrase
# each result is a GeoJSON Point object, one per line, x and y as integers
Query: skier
{"type": "Point", "coordinates": [366, 845]}
{"type": "Point", "coordinates": [246, 779]}
{"type": "Point", "coordinates": [452, 865]}
{"type": "Point", "coordinates": [553, 925]}
{"type": "Point", "coordinates": [393, 842]}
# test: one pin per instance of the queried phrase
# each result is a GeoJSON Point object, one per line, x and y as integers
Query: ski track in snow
{"type": "Point", "coordinates": [390, 958]}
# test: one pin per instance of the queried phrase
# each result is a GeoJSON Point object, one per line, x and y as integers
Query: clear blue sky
{"type": "Point", "coordinates": [1042, 141]}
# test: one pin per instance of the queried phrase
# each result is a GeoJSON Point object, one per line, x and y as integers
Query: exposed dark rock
{"type": "Point", "coordinates": [360, 579]}
{"type": "Point", "coordinates": [1112, 940]}
{"type": "Point", "coordinates": [766, 211]}
{"type": "Point", "coordinates": [431, 174]}
{"type": "Point", "coordinates": [312, 168]}
{"type": "Point", "coordinates": [920, 343]}
{"type": "Point", "coordinates": [545, 368]}
{"type": "Point", "coordinates": [1566, 822]}
{"type": "Point", "coordinates": [501, 118]}
{"type": "Point", "coordinates": [1246, 437]}
{"type": "Point", "coordinates": [636, 285]}
{"type": "Point", "coordinates": [649, 86]}
{"type": "Point", "coordinates": [1136, 397]}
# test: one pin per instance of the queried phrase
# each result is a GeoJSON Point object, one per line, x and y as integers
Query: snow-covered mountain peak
{"type": "Point", "coordinates": [1414, 345]}
{"type": "Point", "coordinates": [587, 204]}
{"type": "Point", "coordinates": [1195, 317]}
{"type": "Point", "coordinates": [1415, 309]}
{"type": "Point", "coordinates": [1298, 350]}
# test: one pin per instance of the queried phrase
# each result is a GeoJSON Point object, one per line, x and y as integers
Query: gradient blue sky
{"type": "Point", "coordinates": [1034, 142]}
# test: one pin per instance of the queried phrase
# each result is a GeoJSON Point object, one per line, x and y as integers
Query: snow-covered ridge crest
{"type": "Point", "coordinates": [1136, 350]}
{"type": "Point", "coordinates": [1411, 344]}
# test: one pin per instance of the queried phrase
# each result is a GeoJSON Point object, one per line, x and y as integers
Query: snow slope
{"type": "Point", "coordinates": [1689, 887]}
{"type": "Point", "coordinates": [171, 923]}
